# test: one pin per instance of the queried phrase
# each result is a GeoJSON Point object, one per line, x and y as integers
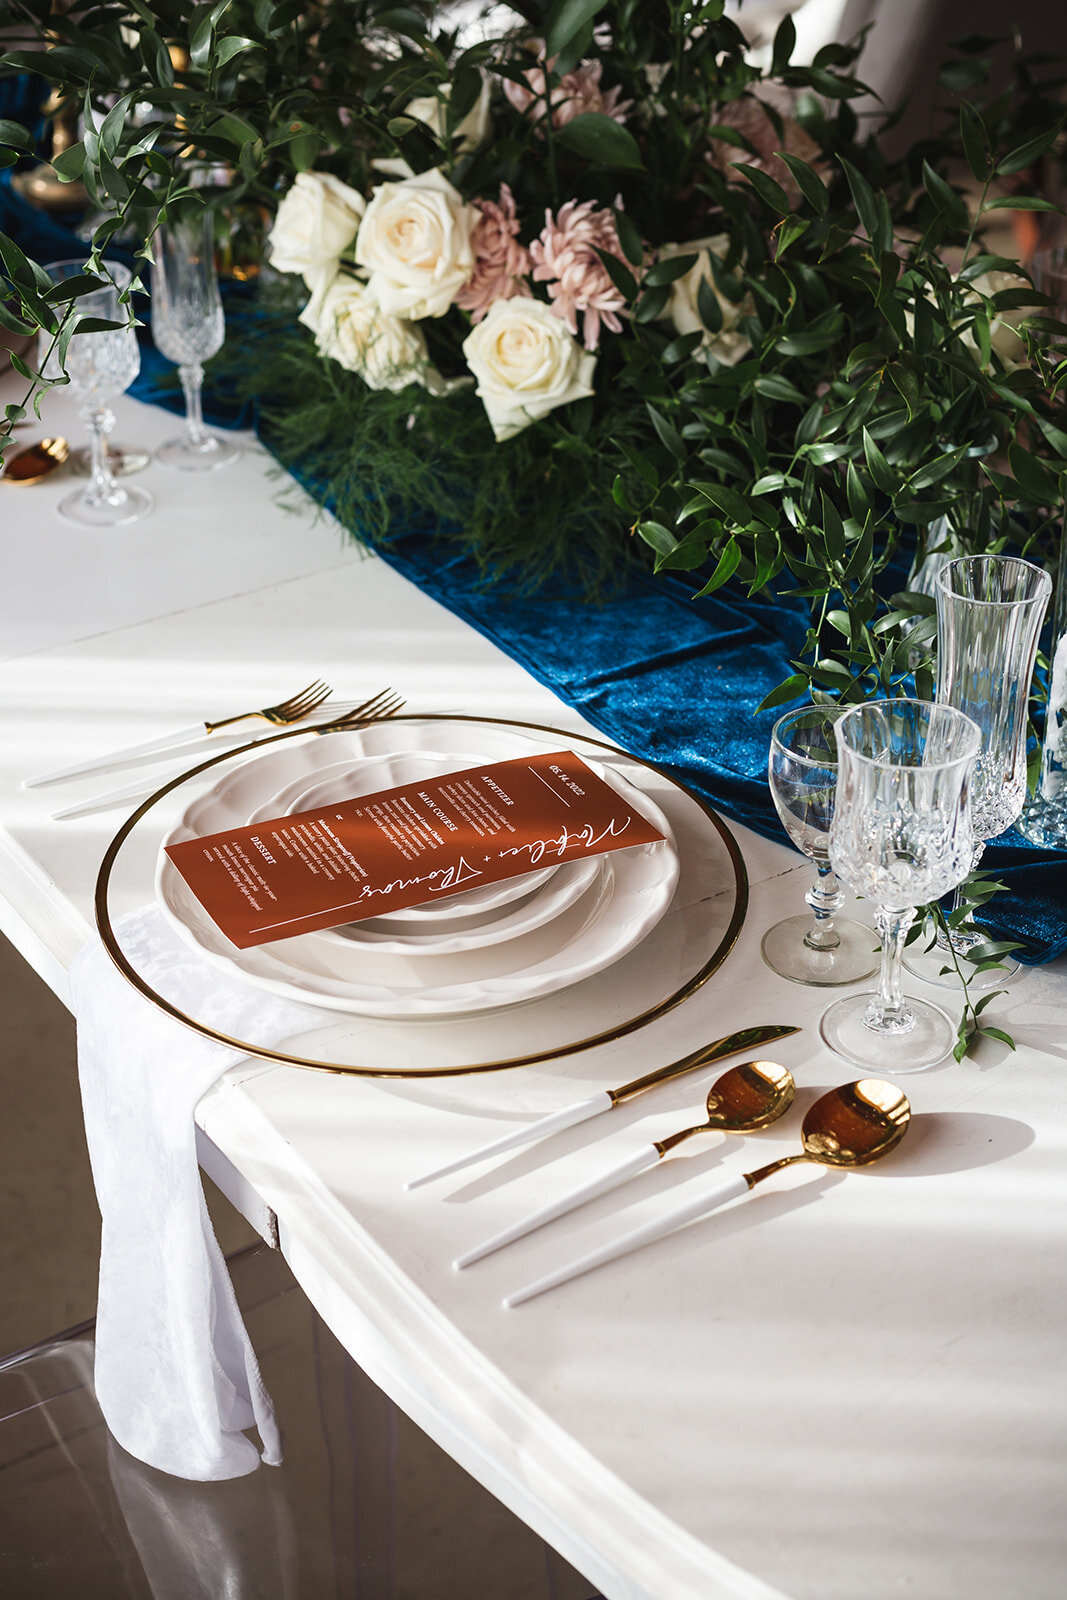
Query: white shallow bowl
{"type": "Point", "coordinates": [626, 898]}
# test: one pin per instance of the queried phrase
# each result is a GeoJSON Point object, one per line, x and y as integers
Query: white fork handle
{"type": "Point", "coordinates": [640, 1161]}
{"type": "Point", "coordinates": [699, 1206]}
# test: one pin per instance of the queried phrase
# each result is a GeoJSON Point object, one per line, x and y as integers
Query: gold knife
{"type": "Point", "coordinates": [606, 1099]}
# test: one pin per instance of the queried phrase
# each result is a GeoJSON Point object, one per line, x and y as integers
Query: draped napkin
{"type": "Point", "coordinates": [176, 1376]}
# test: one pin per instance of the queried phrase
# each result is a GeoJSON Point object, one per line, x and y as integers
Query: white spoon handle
{"type": "Point", "coordinates": [698, 1206]}
{"type": "Point", "coordinates": [638, 1162]}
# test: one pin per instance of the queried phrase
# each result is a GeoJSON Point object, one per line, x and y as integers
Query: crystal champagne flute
{"type": "Point", "coordinates": [901, 836]}
{"type": "Point", "coordinates": [188, 327]}
{"type": "Point", "coordinates": [822, 949]}
{"type": "Point", "coordinates": [99, 365]}
{"type": "Point", "coordinates": [989, 615]}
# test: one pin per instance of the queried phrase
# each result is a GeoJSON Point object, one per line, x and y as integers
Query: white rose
{"type": "Point", "coordinates": [350, 326]}
{"type": "Point", "coordinates": [728, 345]}
{"type": "Point", "coordinates": [415, 242]}
{"type": "Point", "coordinates": [473, 130]}
{"type": "Point", "coordinates": [526, 364]}
{"type": "Point", "coordinates": [316, 222]}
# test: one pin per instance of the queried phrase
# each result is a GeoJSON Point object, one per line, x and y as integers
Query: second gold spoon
{"type": "Point", "coordinates": [749, 1096]}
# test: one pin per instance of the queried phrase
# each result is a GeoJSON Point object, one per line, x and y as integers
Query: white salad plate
{"type": "Point", "coordinates": [351, 780]}
{"type": "Point", "coordinates": [625, 898]}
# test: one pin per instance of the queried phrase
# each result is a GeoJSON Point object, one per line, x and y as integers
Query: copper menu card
{"type": "Point", "coordinates": [405, 846]}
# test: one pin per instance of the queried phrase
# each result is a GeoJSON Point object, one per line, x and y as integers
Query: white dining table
{"type": "Point", "coordinates": [848, 1384]}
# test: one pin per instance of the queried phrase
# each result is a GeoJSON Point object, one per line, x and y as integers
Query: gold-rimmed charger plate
{"type": "Point", "coordinates": [674, 961]}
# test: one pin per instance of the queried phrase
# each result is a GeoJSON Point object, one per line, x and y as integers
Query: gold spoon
{"type": "Point", "coordinates": [849, 1127]}
{"type": "Point", "coordinates": [36, 461]}
{"type": "Point", "coordinates": [749, 1096]}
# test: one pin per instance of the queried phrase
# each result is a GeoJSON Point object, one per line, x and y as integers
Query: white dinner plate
{"type": "Point", "coordinates": [348, 780]}
{"type": "Point", "coordinates": [627, 896]}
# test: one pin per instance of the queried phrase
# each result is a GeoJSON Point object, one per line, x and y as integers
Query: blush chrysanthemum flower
{"type": "Point", "coordinates": [565, 258]}
{"type": "Point", "coordinates": [575, 93]}
{"type": "Point", "coordinates": [500, 261]}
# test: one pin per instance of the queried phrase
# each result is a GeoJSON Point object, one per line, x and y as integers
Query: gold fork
{"type": "Point", "coordinates": [291, 710]}
{"type": "Point", "coordinates": [377, 709]}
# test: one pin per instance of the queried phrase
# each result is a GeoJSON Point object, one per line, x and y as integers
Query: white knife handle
{"type": "Point", "coordinates": [726, 1189]}
{"type": "Point", "coordinates": [162, 743]}
{"type": "Point", "coordinates": [640, 1161]}
{"type": "Point", "coordinates": [555, 1122]}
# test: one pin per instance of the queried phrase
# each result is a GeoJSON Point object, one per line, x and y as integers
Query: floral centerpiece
{"type": "Point", "coordinates": [589, 286]}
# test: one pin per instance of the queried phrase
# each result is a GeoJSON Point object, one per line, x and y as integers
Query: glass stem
{"type": "Point", "coordinates": [961, 942]}
{"type": "Point", "coordinates": [192, 378]}
{"type": "Point", "coordinates": [102, 484]}
{"type": "Point", "coordinates": [888, 1012]}
{"type": "Point", "coordinates": [825, 897]}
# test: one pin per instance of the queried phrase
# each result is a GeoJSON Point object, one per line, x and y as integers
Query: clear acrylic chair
{"type": "Point", "coordinates": [365, 1507]}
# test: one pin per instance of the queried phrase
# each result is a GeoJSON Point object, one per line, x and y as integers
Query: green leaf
{"type": "Point", "coordinates": [771, 193]}
{"type": "Point", "coordinates": [15, 135]}
{"type": "Point", "coordinates": [998, 1033]}
{"type": "Point", "coordinates": [640, 463]}
{"type": "Point", "coordinates": [69, 164]}
{"type": "Point", "coordinates": [668, 271]}
{"type": "Point", "coordinates": [788, 232]}
{"type": "Point", "coordinates": [668, 433]}
{"type": "Point", "coordinates": [1033, 477]}
{"type": "Point", "coordinates": [775, 387]}
{"type": "Point", "coordinates": [566, 19]}
{"type": "Point", "coordinates": [601, 139]}
{"type": "Point", "coordinates": [1025, 154]}
{"type": "Point", "coordinates": [735, 506]}
{"type": "Point", "coordinates": [725, 569]}
{"type": "Point", "coordinates": [975, 141]}
{"type": "Point", "coordinates": [1019, 202]}
{"type": "Point", "coordinates": [651, 305]}
{"type": "Point", "coordinates": [880, 470]}
{"type": "Point", "coordinates": [629, 237]}
{"type": "Point", "coordinates": [708, 306]}
{"type": "Point", "coordinates": [682, 346]}
{"type": "Point", "coordinates": [791, 689]}
{"type": "Point", "coordinates": [232, 45]}
{"type": "Point", "coordinates": [870, 214]}
{"type": "Point", "coordinates": [809, 183]}
{"type": "Point", "coordinates": [619, 273]}
{"type": "Point", "coordinates": [660, 538]}
{"type": "Point", "coordinates": [945, 198]}
{"type": "Point", "coordinates": [784, 44]}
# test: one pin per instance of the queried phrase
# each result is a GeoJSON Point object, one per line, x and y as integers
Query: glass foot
{"type": "Point", "coordinates": [120, 460]}
{"type": "Point", "coordinates": [106, 511]}
{"type": "Point", "coordinates": [930, 1038]}
{"type": "Point", "coordinates": [856, 956]}
{"type": "Point", "coordinates": [928, 965]}
{"type": "Point", "coordinates": [210, 453]}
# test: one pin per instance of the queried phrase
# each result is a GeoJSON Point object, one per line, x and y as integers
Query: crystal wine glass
{"type": "Point", "coordinates": [901, 836]}
{"type": "Point", "coordinates": [802, 772]}
{"type": "Point", "coordinates": [989, 615]}
{"type": "Point", "coordinates": [188, 327]}
{"type": "Point", "coordinates": [99, 365]}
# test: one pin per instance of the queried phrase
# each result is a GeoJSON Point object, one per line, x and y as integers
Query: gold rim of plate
{"type": "Point", "coordinates": [618, 1030]}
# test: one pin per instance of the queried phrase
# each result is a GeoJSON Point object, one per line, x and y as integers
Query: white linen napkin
{"type": "Point", "coordinates": [176, 1376]}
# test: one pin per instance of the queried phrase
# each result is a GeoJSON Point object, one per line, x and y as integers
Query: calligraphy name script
{"type": "Point", "coordinates": [405, 846]}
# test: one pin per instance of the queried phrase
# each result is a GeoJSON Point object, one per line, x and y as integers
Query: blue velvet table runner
{"type": "Point", "coordinates": [672, 678]}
